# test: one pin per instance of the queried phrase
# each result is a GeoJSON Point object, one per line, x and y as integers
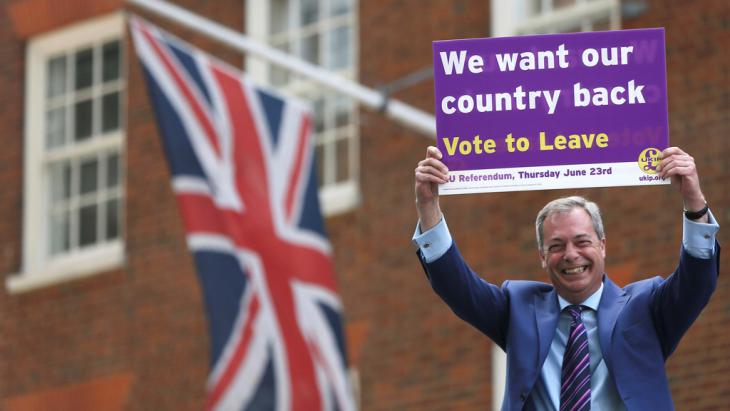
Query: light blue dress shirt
{"type": "Point", "coordinates": [697, 238]}
{"type": "Point", "coordinates": [604, 395]}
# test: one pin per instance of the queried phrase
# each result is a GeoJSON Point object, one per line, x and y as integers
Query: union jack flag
{"type": "Point", "coordinates": [242, 169]}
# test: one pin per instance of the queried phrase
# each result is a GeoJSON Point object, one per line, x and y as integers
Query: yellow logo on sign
{"type": "Point", "coordinates": [649, 160]}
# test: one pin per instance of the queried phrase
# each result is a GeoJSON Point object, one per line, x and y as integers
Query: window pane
{"type": "Point", "coordinates": [87, 225]}
{"type": "Point", "coordinates": [339, 50]}
{"type": "Point", "coordinates": [279, 76]}
{"type": "Point", "coordinates": [82, 120]}
{"type": "Point", "coordinates": [310, 48]}
{"type": "Point", "coordinates": [112, 219]}
{"type": "Point", "coordinates": [89, 175]}
{"type": "Point", "coordinates": [59, 232]}
{"type": "Point", "coordinates": [343, 108]}
{"type": "Point", "coordinates": [319, 115]}
{"type": "Point", "coordinates": [111, 61]}
{"type": "Point", "coordinates": [84, 68]}
{"type": "Point", "coordinates": [56, 76]}
{"type": "Point", "coordinates": [112, 170]}
{"type": "Point", "coordinates": [309, 11]}
{"type": "Point", "coordinates": [55, 127]}
{"type": "Point", "coordinates": [279, 16]}
{"type": "Point", "coordinates": [572, 29]}
{"type": "Point", "coordinates": [110, 112]}
{"type": "Point", "coordinates": [343, 159]}
{"type": "Point", "coordinates": [601, 25]}
{"type": "Point", "coordinates": [60, 179]}
{"type": "Point", "coordinates": [339, 7]}
{"type": "Point", "coordinates": [536, 6]}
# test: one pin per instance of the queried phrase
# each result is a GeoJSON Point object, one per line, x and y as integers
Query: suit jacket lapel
{"type": "Point", "coordinates": [547, 311]}
{"type": "Point", "coordinates": [612, 302]}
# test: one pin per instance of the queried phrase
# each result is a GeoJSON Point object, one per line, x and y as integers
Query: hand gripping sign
{"type": "Point", "coordinates": [551, 111]}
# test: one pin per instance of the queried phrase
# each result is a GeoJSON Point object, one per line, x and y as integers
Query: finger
{"type": "Point", "coordinates": [432, 162]}
{"type": "Point", "coordinates": [669, 151]}
{"type": "Point", "coordinates": [679, 171]}
{"type": "Point", "coordinates": [428, 170]}
{"type": "Point", "coordinates": [676, 161]}
{"type": "Point", "coordinates": [665, 169]}
{"type": "Point", "coordinates": [673, 154]}
{"type": "Point", "coordinates": [682, 171]}
{"type": "Point", "coordinates": [433, 152]}
{"type": "Point", "coordinates": [428, 179]}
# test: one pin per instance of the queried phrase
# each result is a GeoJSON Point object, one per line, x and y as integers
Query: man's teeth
{"type": "Point", "coordinates": [575, 270]}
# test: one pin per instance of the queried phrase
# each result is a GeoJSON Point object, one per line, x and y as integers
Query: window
{"type": "Point", "coordinates": [511, 18]}
{"type": "Point", "coordinates": [72, 217]}
{"type": "Point", "coordinates": [322, 32]}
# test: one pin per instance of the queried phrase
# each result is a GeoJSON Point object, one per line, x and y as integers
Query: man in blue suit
{"type": "Point", "coordinates": [583, 342]}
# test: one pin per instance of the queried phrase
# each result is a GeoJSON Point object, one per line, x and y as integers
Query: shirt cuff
{"type": "Point", "coordinates": [699, 238]}
{"type": "Point", "coordinates": [434, 242]}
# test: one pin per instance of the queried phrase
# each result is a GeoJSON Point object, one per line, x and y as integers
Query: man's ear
{"type": "Point", "coordinates": [603, 247]}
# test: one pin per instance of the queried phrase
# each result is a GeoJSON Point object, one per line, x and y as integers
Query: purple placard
{"type": "Point", "coordinates": [551, 111]}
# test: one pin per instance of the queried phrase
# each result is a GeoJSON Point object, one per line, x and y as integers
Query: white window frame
{"type": "Point", "coordinates": [39, 269]}
{"type": "Point", "coordinates": [499, 376]}
{"type": "Point", "coordinates": [514, 18]}
{"type": "Point", "coordinates": [334, 197]}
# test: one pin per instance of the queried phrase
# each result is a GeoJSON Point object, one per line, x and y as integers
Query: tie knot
{"type": "Point", "coordinates": [574, 311]}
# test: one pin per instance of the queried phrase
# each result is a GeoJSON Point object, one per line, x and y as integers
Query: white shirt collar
{"type": "Point", "coordinates": [590, 302]}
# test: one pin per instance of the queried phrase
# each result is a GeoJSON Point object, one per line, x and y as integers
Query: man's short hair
{"type": "Point", "coordinates": [564, 205]}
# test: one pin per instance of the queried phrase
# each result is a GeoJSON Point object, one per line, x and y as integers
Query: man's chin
{"type": "Point", "coordinates": [577, 286]}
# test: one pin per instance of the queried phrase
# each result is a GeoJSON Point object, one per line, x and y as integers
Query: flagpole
{"type": "Point", "coordinates": [397, 110]}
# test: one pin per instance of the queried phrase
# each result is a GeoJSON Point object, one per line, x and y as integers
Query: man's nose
{"type": "Point", "coordinates": [571, 252]}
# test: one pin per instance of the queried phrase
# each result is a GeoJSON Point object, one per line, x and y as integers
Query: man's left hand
{"type": "Point", "coordinates": [680, 167]}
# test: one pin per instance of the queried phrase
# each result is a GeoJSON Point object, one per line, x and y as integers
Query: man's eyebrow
{"type": "Point", "coordinates": [560, 239]}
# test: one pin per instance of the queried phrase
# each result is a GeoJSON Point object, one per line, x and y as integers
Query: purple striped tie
{"type": "Point", "coordinates": [575, 386]}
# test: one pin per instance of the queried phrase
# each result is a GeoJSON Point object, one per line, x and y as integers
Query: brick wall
{"type": "Point", "coordinates": [697, 35]}
{"type": "Point", "coordinates": [11, 160]}
{"type": "Point", "coordinates": [417, 355]}
{"type": "Point", "coordinates": [138, 333]}
{"type": "Point", "coordinates": [142, 328]}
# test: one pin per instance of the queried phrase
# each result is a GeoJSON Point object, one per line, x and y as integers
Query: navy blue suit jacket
{"type": "Point", "coordinates": [639, 325]}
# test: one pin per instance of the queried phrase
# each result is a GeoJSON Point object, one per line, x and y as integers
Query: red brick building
{"type": "Point", "coordinates": [101, 309]}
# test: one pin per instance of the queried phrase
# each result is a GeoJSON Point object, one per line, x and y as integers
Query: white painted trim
{"type": "Point", "coordinates": [499, 376]}
{"type": "Point", "coordinates": [340, 197]}
{"type": "Point", "coordinates": [511, 18]}
{"type": "Point", "coordinates": [257, 23]}
{"type": "Point", "coordinates": [107, 143]}
{"type": "Point", "coordinates": [69, 267]}
{"type": "Point", "coordinates": [561, 19]}
{"type": "Point", "coordinates": [37, 269]}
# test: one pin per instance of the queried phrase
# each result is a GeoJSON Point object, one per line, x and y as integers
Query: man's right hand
{"type": "Point", "coordinates": [429, 174]}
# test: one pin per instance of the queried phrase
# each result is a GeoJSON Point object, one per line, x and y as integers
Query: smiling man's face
{"type": "Point", "coordinates": [573, 255]}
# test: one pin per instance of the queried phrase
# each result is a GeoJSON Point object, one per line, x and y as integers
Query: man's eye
{"type": "Point", "coordinates": [555, 248]}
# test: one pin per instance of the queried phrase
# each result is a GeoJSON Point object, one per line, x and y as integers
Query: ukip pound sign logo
{"type": "Point", "coordinates": [649, 160]}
